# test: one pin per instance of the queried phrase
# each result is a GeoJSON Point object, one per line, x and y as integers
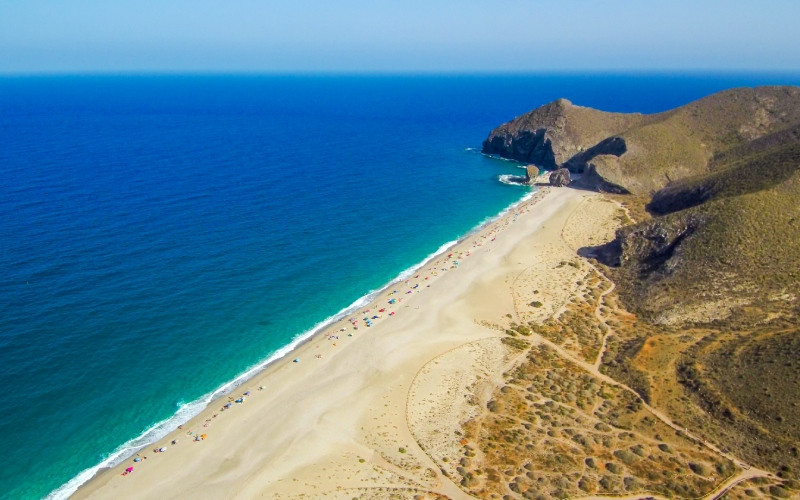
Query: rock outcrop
{"type": "Point", "coordinates": [640, 154]}
{"type": "Point", "coordinates": [560, 177]}
{"type": "Point", "coordinates": [531, 173]}
{"type": "Point", "coordinates": [551, 135]}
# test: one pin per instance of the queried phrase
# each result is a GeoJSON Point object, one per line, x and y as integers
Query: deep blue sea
{"type": "Point", "coordinates": [162, 235]}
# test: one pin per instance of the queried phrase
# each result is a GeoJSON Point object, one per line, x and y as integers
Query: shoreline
{"type": "Point", "coordinates": [192, 410]}
{"type": "Point", "coordinates": [216, 451]}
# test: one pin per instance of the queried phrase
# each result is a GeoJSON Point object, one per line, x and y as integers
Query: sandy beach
{"type": "Point", "coordinates": [364, 408]}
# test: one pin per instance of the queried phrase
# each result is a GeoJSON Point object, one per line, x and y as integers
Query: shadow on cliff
{"type": "Point", "coordinates": [608, 254]}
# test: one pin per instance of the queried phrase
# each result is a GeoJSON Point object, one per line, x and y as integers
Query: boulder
{"type": "Point", "coordinates": [560, 177]}
{"type": "Point", "coordinates": [531, 173]}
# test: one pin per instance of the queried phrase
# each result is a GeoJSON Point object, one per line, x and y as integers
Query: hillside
{"type": "Point", "coordinates": [708, 276]}
{"type": "Point", "coordinates": [635, 153]}
{"type": "Point", "coordinates": [724, 241]}
{"type": "Point", "coordinates": [721, 175]}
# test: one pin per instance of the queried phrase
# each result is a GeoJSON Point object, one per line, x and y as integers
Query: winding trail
{"type": "Point", "coordinates": [748, 472]}
{"type": "Point", "coordinates": [599, 316]}
{"type": "Point", "coordinates": [592, 367]}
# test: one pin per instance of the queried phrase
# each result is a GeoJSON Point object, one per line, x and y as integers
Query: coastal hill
{"type": "Point", "coordinates": [720, 243]}
{"type": "Point", "coordinates": [721, 177]}
{"type": "Point", "coordinates": [709, 270]}
{"type": "Point", "coordinates": [637, 153]}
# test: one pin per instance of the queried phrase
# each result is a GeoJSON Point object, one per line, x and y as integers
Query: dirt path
{"type": "Point", "coordinates": [597, 313]}
{"type": "Point", "coordinates": [749, 471]}
{"type": "Point", "coordinates": [602, 321]}
{"type": "Point", "coordinates": [732, 481]}
{"type": "Point", "coordinates": [452, 489]}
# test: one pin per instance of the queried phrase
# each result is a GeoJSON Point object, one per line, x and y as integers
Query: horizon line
{"type": "Point", "coordinates": [409, 72]}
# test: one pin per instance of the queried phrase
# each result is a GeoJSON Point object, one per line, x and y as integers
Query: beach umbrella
{"type": "Point", "coordinates": [162, 449]}
{"type": "Point", "coordinates": [203, 436]}
{"type": "Point", "coordinates": [129, 469]}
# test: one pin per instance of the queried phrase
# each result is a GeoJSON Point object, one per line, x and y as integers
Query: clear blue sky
{"type": "Point", "coordinates": [397, 35]}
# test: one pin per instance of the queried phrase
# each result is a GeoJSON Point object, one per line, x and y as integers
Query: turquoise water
{"type": "Point", "coordinates": [162, 235]}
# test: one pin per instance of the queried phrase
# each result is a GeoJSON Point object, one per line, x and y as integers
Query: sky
{"type": "Point", "coordinates": [77, 36]}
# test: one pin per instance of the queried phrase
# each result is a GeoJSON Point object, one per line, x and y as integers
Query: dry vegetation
{"type": "Point", "coordinates": [737, 389]}
{"type": "Point", "coordinates": [748, 381]}
{"type": "Point", "coordinates": [576, 328]}
{"type": "Point", "coordinates": [759, 488]}
{"type": "Point", "coordinates": [682, 142]}
{"type": "Point", "coordinates": [555, 431]}
{"type": "Point", "coordinates": [552, 429]}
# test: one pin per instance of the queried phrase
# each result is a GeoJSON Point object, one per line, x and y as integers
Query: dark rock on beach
{"type": "Point", "coordinates": [560, 177]}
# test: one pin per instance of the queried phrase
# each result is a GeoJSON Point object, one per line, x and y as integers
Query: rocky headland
{"type": "Point", "coordinates": [638, 153]}
{"type": "Point", "coordinates": [706, 263]}
{"type": "Point", "coordinates": [718, 179]}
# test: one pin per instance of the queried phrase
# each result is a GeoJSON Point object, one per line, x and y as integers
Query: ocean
{"type": "Point", "coordinates": [163, 235]}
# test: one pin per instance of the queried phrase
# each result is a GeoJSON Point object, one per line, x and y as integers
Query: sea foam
{"type": "Point", "coordinates": [512, 180]}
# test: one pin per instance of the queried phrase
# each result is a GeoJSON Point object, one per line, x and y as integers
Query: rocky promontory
{"type": "Point", "coordinates": [638, 153]}
{"type": "Point", "coordinates": [720, 178]}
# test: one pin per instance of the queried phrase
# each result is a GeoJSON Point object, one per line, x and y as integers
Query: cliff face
{"type": "Point", "coordinates": [640, 154]}
{"type": "Point", "coordinates": [525, 146]}
{"type": "Point", "coordinates": [556, 133]}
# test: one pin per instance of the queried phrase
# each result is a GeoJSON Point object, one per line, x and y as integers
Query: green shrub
{"type": "Point", "coordinates": [626, 456]}
{"type": "Point", "coordinates": [700, 469]}
{"type": "Point", "coordinates": [779, 492]}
